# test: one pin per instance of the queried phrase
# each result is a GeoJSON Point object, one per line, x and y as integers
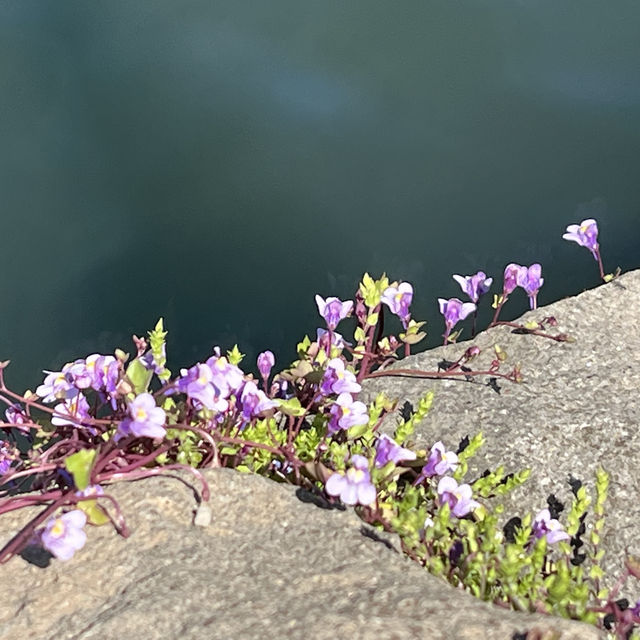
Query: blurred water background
{"type": "Point", "coordinates": [219, 163]}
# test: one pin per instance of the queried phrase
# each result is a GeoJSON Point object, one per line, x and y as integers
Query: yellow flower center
{"type": "Point", "coordinates": [355, 475]}
{"type": "Point", "coordinates": [141, 415]}
{"type": "Point", "coordinates": [57, 530]}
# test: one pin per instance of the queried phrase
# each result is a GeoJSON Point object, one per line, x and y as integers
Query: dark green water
{"type": "Point", "coordinates": [218, 163]}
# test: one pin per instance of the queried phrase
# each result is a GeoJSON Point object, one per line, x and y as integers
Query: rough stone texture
{"type": "Point", "coordinates": [270, 565]}
{"type": "Point", "coordinates": [576, 410]}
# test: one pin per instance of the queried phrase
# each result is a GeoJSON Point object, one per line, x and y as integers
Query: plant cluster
{"type": "Point", "coordinates": [109, 418]}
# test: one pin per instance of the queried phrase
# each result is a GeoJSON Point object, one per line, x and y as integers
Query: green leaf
{"type": "Point", "coordinates": [303, 347]}
{"type": "Point", "coordinates": [234, 356]}
{"type": "Point", "coordinates": [358, 431]}
{"type": "Point", "coordinates": [96, 515]}
{"type": "Point", "coordinates": [139, 376]}
{"type": "Point", "coordinates": [79, 465]}
{"type": "Point", "coordinates": [372, 290]}
{"type": "Point", "coordinates": [291, 407]}
{"type": "Point", "coordinates": [372, 319]}
{"type": "Point", "coordinates": [157, 341]}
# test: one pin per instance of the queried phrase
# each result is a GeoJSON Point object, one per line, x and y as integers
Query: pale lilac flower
{"type": "Point", "coordinates": [474, 286]}
{"type": "Point", "coordinates": [333, 310]}
{"type": "Point", "coordinates": [453, 311]}
{"type": "Point", "coordinates": [388, 450]}
{"type": "Point", "coordinates": [529, 279]}
{"type": "Point", "coordinates": [74, 411]}
{"type": "Point", "coordinates": [439, 462]}
{"type": "Point", "coordinates": [355, 486]}
{"type": "Point", "coordinates": [92, 491]}
{"type": "Point", "coordinates": [16, 415]}
{"type": "Point", "coordinates": [322, 338]}
{"type": "Point", "coordinates": [96, 371]}
{"type": "Point", "coordinates": [197, 383]}
{"type": "Point", "coordinates": [585, 234]}
{"type": "Point", "coordinates": [254, 401]}
{"type": "Point", "coordinates": [457, 496]}
{"type": "Point", "coordinates": [7, 456]}
{"type": "Point", "coordinates": [266, 360]}
{"type": "Point", "coordinates": [63, 536]}
{"type": "Point", "coordinates": [146, 419]}
{"type": "Point", "coordinates": [80, 375]}
{"type": "Point", "coordinates": [398, 299]}
{"type": "Point", "coordinates": [544, 525]}
{"type": "Point", "coordinates": [58, 385]}
{"type": "Point", "coordinates": [511, 273]}
{"type": "Point", "coordinates": [346, 413]}
{"type": "Point", "coordinates": [227, 377]}
{"type": "Point", "coordinates": [338, 379]}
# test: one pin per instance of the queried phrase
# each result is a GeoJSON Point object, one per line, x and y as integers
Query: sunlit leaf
{"type": "Point", "coordinates": [79, 465]}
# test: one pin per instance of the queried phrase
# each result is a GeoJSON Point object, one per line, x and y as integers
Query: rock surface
{"type": "Point", "coordinates": [270, 565]}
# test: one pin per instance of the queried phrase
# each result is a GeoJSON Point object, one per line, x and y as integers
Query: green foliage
{"type": "Point", "coordinates": [371, 290]}
{"type": "Point", "coordinates": [157, 342]}
{"type": "Point", "coordinates": [234, 356]}
{"type": "Point", "coordinates": [79, 465]}
{"type": "Point", "coordinates": [139, 376]}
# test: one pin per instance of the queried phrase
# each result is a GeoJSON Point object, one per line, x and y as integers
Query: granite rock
{"type": "Point", "coordinates": [269, 565]}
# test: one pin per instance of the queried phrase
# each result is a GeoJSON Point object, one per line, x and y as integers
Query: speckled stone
{"type": "Point", "coordinates": [267, 566]}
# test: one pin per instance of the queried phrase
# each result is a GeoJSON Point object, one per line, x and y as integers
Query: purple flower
{"type": "Point", "coordinates": [453, 311]}
{"type": "Point", "coordinates": [457, 496]}
{"type": "Point", "coordinates": [585, 234]}
{"type": "Point", "coordinates": [151, 363]}
{"type": "Point", "coordinates": [398, 299]}
{"type": "Point", "coordinates": [266, 360]}
{"type": "Point", "coordinates": [7, 456]}
{"type": "Point", "coordinates": [63, 536]}
{"type": "Point", "coordinates": [322, 338]}
{"type": "Point", "coordinates": [544, 525]}
{"type": "Point", "coordinates": [529, 279]}
{"type": "Point", "coordinates": [93, 490]}
{"type": "Point", "coordinates": [146, 419]}
{"type": "Point", "coordinates": [355, 486]}
{"type": "Point", "coordinates": [511, 272]}
{"type": "Point", "coordinates": [16, 415]}
{"type": "Point", "coordinates": [346, 413]}
{"type": "Point", "coordinates": [58, 385]}
{"type": "Point", "coordinates": [440, 461]}
{"type": "Point", "coordinates": [333, 310]}
{"type": "Point", "coordinates": [74, 411]}
{"type": "Point", "coordinates": [254, 401]}
{"type": "Point", "coordinates": [197, 383]}
{"type": "Point", "coordinates": [227, 378]}
{"type": "Point", "coordinates": [388, 450]}
{"type": "Point", "coordinates": [474, 286]}
{"type": "Point", "coordinates": [337, 379]}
